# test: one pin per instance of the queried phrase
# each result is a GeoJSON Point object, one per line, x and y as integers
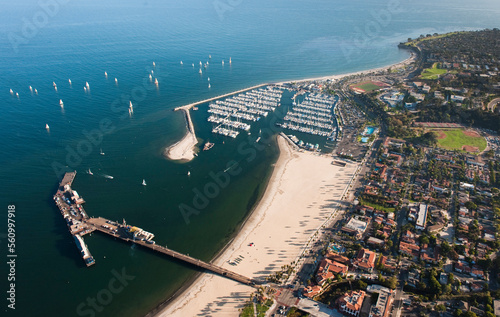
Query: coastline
{"type": "Point", "coordinates": [405, 62]}
{"type": "Point", "coordinates": [199, 295]}
{"type": "Point", "coordinates": [298, 197]}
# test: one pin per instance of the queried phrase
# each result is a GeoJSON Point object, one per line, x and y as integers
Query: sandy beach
{"type": "Point", "coordinates": [406, 62]}
{"type": "Point", "coordinates": [302, 193]}
{"type": "Point", "coordinates": [184, 150]}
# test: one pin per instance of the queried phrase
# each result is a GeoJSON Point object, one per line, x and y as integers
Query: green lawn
{"type": "Point", "coordinates": [456, 139]}
{"type": "Point", "coordinates": [432, 73]}
{"type": "Point", "coordinates": [367, 86]}
{"type": "Point", "coordinates": [247, 310]}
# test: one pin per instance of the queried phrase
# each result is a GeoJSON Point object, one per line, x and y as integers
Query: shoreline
{"type": "Point", "coordinates": [275, 206]}
{"type": "Point", "coordinates": [174, 303]}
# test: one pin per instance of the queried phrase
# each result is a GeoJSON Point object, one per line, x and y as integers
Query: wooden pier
{"type": "Point", "coordinates": [79, 224]}
{"type": "Point", "coordinates": [117, 230]}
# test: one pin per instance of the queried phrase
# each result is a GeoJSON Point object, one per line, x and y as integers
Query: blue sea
{"type": "Point", "coordinates": [52, 41]}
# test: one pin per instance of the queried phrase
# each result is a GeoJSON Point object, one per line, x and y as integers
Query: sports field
{"type": "Point", "coordinates": [432, 73]}
{"type": "Point", "coordinates": [458, 139]}
{"type": "Point", "coordinates": [368, 86]}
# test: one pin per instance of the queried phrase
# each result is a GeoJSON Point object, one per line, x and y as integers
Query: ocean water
{"type": "Point", "coordinates": [52, 41]}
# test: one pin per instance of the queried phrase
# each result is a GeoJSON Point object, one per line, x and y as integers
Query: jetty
{"type": "Point", "coordinates": [79, 223]}
{"type": "Point", "coordinates": [191, 105]}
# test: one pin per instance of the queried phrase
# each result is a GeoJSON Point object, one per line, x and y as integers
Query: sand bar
{"type": "Point", "coordinates": [302, 193]}
{"type": "Point", "coordinates": [184, 150]}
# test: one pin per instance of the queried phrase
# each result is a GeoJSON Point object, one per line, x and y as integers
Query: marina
{"type": "Point", "coordinates": [314, 115]}
{"type": "Point", "coordinates": [79, 224]}
{"type": "Point", "coordinates": [228, 114]}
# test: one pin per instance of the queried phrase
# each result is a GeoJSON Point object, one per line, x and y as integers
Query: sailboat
{"type": "Point", "coordinates": [90, 172]}
{"type": "Point", "coordinates": [200, 71]}
{"type": "Point", "coordinates": [209, 56]}
{"type": "Point", "coordinates": [209, 86]}
{"type": "Point", "coordinates": [150, 77]}
{"type": "Point", "coordinates": [47, 126]}
{"type": "Point", "coordinates": [230, 61]}
{"type": "Point", "coordinates": [101, 152]}
{"type": "Point", "coordinates": [189, 173]}
{"type": "Point", "coordinates": [182, 63]}
{"type": "Point", "coordinates": [143, 182]}
{"type": "Point", "coordinates": [61, 103]}
{"type": "Point", "coordinates": [31, 89]}
{"type": "Point", "coordinates": [17, 94]}
{"type": "Point", "coordinates": [85, 89]}
{"type": "Point", "coordinates": [69, 81]}
{"type": "Point", "coordinates": [154, 65]}
{"type": "Point", "coordinates": [11, 91]}
{"type": "Point", "coordinates": [116, 81]}
{"type": "Point", "coordinates": [222, 62]}
{"type": "Point", "coordinates": [156, 81]}
{"type": "Point", "coordinates": [208, 78]}
{"type": "Point", "coordinates": [36, 92]}
{"type": "Point", "coordinates": [192, 64]}
{"type": "Point", "coordinates": [106, 74]}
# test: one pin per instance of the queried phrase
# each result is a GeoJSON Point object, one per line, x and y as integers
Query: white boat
{"type": "Point", "coordinates": [36, 92]}
{"type": "Point", "coordinates": [87, 85]}
{"type": "Point", "coordinates": [17, 94]}
{"type": "Point", "coordinates": [192, 64]}
{"type": "Point", "coordinates": [209, 56]}
{"type": "Point", "coordinates": [150, 77]}
{"type": "Point", "coordinates": [11, 91]}
{"type": "Point", "coordinates": [209, 86]}
{"type": "Point", "coordinates": [61, 103]}
{"type": "Point", "coordinates": [31, 89]}
{"type": "Point", "coordinates": [222, 62]}
{"type": "Point", "coordinates": [200, 63]}
{"type": "Point", "coordinates": [47, 126]}
{"type": "Point", "coordinates": [85, 89]}
{"type": "Point", "coordinates": [156, 81]}
{"type": "Point", "coordinates": [189, 173]}
{"type": "Point", "coordinates": [116, 80]}
{"type": "Point", "coordinates": [230, 61]}
{"type": "Point", "coordinates": [90, 172]}
{"type": "Point", "coordinates": [182, 63]}
{"type": "Point", "coordinates": [152, 72]}
{"type": "Point", "coordinates": [130, 104]}
{"type": "Point", "coordinates": [54, 84]}
{"type": "Point", "coordinates": [143, 182]}
{"type": "Point", "coordinates": [101, 152]}
{"type": "Point", "coordinates": [200, 72]}
{"type": "Point", "coordinates": [69, 81]}
{"type": "Point", "coordinates": [108, 176]}
{"type": "Point", "coordinates": [106, 74]}
{"type": "Point", "coordinates": [154, 65]}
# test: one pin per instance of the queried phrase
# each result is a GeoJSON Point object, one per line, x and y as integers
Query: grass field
{"type": "Point", "coordinates": [367, 86]}
{"type": "Point", "coordinates": [432, 73]}
{"type": "Point", "coordinates": [456, 140]}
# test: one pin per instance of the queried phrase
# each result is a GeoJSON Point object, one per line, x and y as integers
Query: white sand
{"type": "Point", "coordinates": [184, 150]}
{"type": "Point", "coordinates": [303, 191]}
